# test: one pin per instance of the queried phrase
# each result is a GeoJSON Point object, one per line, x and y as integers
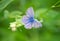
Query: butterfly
{"type": "Point", "coordinates": [29, 21]}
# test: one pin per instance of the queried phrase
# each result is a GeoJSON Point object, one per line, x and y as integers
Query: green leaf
{"type": "Point", "coordinates": [4, 4]}
{"type": "Point", "coordinates": [15, 5]}
{"type": "Point", "coordinates": [6, 14]}
{"type": "Point", "coordinates": [15, 14]}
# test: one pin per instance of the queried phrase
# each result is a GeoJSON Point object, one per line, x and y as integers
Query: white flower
{"type": "Point", "coordinates": [13, 26]}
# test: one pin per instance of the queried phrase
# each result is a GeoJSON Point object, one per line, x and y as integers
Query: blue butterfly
{"type": "Point", "coordinates": [29, 21]}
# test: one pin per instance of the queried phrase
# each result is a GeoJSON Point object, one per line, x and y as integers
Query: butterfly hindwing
{"type": "Point", "coordinates": [37, 24]}
{"type": "Point", "coordinates": [28, 26]}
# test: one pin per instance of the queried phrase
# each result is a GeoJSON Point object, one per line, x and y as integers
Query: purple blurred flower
{"type": "Point", "coordinates": [29, 20]}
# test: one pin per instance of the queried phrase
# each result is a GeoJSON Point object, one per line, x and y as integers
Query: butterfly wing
{"type": "Point", "coordinates": [28, 26]}
{"type": "Point", "coordinates": [36, 24]}
{"type": "Point", "coordinates": [30, 12]}
{"type": "Point", "coordinates": [25, 20]}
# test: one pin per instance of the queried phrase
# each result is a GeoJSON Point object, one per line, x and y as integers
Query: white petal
{"type": "Point", "coordinates": [13, 29]}
{"type": "Point", "coordinates": [37, 24]}
{"type": "Point", "coordinates": [13, 24]}
{"type": "Point", "coordinates": [28, 26]}
{"type": "Point", "coordinates": [30, 12]}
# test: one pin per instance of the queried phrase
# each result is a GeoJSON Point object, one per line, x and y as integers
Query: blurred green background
{"type": "Point", "coordinates": [48, 10]}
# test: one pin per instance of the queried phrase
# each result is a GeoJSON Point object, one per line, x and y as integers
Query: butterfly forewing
{"type": "Point", "coordinates": [30, 12]}
{"type": "Point", "coordinates": [25, 19]}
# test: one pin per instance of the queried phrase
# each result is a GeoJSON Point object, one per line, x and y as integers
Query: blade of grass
{"type": "Point", "coordinates": [4, 4]}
